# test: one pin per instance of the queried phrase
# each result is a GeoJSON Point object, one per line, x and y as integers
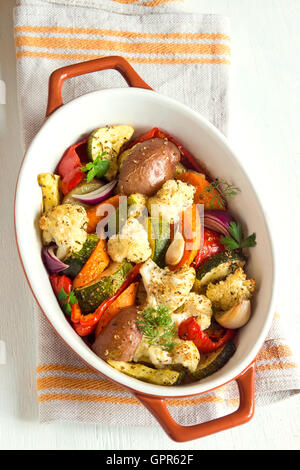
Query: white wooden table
{"type": "Point", "coordinates": [265, 105]}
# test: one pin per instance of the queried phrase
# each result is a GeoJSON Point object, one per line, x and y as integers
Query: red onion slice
{"type": "Point", "coordinates": [218, 220]}
{"type": "Point", "coordinates": [52, 263]}
{"type": "Point", "coordinates": [94, 197]}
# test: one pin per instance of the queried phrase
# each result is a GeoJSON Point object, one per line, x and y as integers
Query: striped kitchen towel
{"type": "Point", "coordinates": [182, 55]}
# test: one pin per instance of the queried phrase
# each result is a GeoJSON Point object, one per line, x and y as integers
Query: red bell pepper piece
{"type": "Point", "coordinates": [85, 324]}
{"type": "Point", "coordinates": [187, 158]}
{"type": "Point", "coordinates": [190, 330]}
{"type": "Point", "coordinates": [63, 282]}
{"type": "Point", "coordinates": [83, 330]}
{"type": "Point", "coordinates": [60, 282]}
{"type": "Point", "coordinates": [211, 246]}
{"type": "Point", "coordinates": [69, 167]}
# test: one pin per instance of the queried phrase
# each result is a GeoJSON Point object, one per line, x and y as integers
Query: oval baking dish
{"type": "Point", "coordinates": [143, 108]}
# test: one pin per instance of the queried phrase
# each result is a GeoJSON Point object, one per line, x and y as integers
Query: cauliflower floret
{"type": "Point", "coordinates": [65, 225]}
{"type": "Point", "coordinates": [131, 244]}
{"type": "Point", "coordinates": [152, 354]}
{"type": "Point", "coordinates": [137, 205]}
{"type": "Point", "coordinates": [186, 354]}
{"type": "Point", "coordinates": [171, 200]}
{"type": "Point", "coordinates": [195, 305]}
{"type": "Point", "coordinates": [165, 287]}
{"type": "Point", "coordinates": [235, 288]}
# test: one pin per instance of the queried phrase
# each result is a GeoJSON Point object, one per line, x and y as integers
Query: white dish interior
{"type": "Point", "coordinates": [144, 109]}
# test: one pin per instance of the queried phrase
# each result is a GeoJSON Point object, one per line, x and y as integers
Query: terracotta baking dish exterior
{"type": "Point", "coordinates": [143, 108]}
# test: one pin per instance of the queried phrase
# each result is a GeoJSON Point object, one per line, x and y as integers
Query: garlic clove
{"type": "Point", "coordinates": [236, 317]}
{"type": "Point", "coordinates": [175, 251]}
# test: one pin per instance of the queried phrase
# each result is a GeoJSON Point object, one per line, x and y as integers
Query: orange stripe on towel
{"type": "Point", "coordinates": [130, 400]}
{"type": "Point", "coordinates": [120, 47]}
{"type": "Point", "coordinates": [117, 33]}
{"type": "Point", "coordinates": [269, 353]}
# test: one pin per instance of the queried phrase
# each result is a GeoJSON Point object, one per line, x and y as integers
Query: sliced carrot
{"type": "Point", "coordinates": [190, 228]}
{"type": "Point", "coordinates": [126, 299]}
{"type": "Point", "coordinates": [94, 219]}
{"type": "Point", "coordinates": [211, 199]}
{"type": "Point", "coordinates": [94, 266]}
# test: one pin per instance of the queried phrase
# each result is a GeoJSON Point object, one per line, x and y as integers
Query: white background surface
{"type": "Point", "coordinates": [265, 130]}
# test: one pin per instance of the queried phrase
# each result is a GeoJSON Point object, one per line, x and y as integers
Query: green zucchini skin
{"type": "Point", "coordinates": [91, 296]}
{"type": "Point", "coordinates": [161, 233]}
{"type": "Point", "coordinates": [148, 374]}
{"type": "Point", "coordinates": [214, 361]}
{"type": "Point", "coordinates": [218, 267]}
{"type": "Point", "coordinates": [77, 260]}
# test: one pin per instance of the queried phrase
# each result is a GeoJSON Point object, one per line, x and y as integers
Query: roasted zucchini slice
{"type": "Point", "coordinates": [216, 268]}
{"type": "Point", "coordinates": [210, 363]}
{"type": "Point", "coordinates": [107, 142]}
{"type": "Point", "coordinates": [159, 239]}
{"type": "Point", "coordinates": [50, 186]}
{"type": "Point", "coordinates": [147, 374]}
{"type": "Point", "coordinates": [76, 261]}
{"type": "Point", "coordinates": [92, 295]}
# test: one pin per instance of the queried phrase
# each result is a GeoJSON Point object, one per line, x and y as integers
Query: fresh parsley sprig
{"type": "Point", "coordinates": [97, 168]}
{"type": "Point", "coordinates": [236, 240]}
{"type": "Point", "coordinates": [223, 190]}
{"type": "Point", "coordinates": [157, 327]}
{"type": "Point", "coordinates": [67, 300]}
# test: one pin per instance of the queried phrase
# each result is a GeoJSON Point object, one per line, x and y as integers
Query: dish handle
{"type": "Point", "coordinates": [58, 77]}
{"type": "Point", "coordinates": [158, 408]}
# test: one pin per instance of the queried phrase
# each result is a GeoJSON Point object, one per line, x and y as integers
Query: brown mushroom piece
{"type": "Point", "coordinates": [148, 166]}
{"type": "Point", "coordinates": [120, 338]}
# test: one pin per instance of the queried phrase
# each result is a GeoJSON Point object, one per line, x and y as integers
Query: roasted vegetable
{"type": "Point", "coordinates": [69, 167]}
{"type": "Point", "coordinates": [185, 157]}
{"type": "Point", "coordinates": [159, 239]}
{"type": "Point", "coordinates": [120, 338]}
{"type": "Point", "coordinates": [190, 228]}
{"type": "Point", "coordinates": [126, 299]}
{"type": "Point", "coordinates": [50, 186]}
{"type": "Point", "coordinates": [211, 199]}
{"type": "Point", "coordinates": [216, 268]}
{"type": "Point", "coordinates": [226, 294]}
{"type": "Point", "coordinates": [147, 166]}
{"type": "Point", "coordinates": [210, 363]}
{"type": "Point", "coordinates": [131, 244]}
{"type": "Point", "coordinates": [211, 246]}
{"type": "Point", "coordinates": [173, 198]}
{"type": "Point", "coordinates": [81, 188]}
{"type": "Point", "coordinates": [93, 294]}
{"type": "Point", "coordinates": [94, 266]}
{"type": "Point", "coordinates": [236, 317]}
{"type": "Point", "coordinates": [76, 261]}
{"type": "Point", "coordinates": [165, 287]}
{"type": "Point", "coordinates": [88, 322]}
{"type": "Point", "coordinates": [191, 331]}
{"type": "Point", "coordinates": [66, 226]}
{"type": "Point", "coordinates": [107, 142]}
{"type": "Point", "coordinates": [95, 216]}
{"type": "Point", "coordinates": [197, 306]}
{"type": "Point", "coordinates": [147, 374]}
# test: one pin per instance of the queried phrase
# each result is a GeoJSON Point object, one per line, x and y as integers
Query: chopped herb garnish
{"type": "Point", "coordinates": [236, 240]}
{"type": "Point", "coordinates": [223, 190]}
{"type": "Point", "coordinates": [72, 298]}
{"type": "Point", "coordinates": [67, 309]}
{"type": "Point", "coordinates": [62, 295]}
{"type": "Point", "coordinates": [67, 300]}
{"type": "Point", "coordinates": [97, 168]}
{"type": "Point", "coordinates": [157, 327]}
